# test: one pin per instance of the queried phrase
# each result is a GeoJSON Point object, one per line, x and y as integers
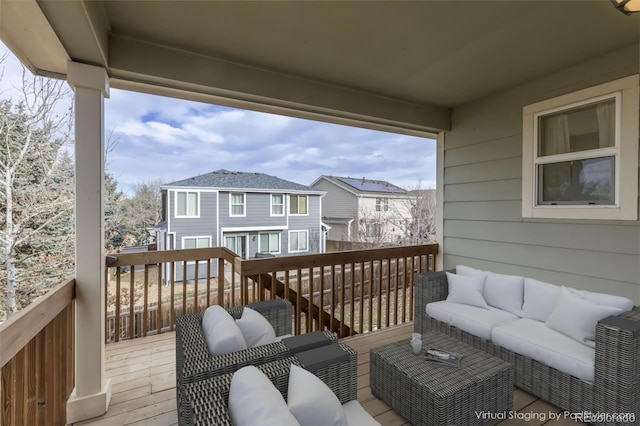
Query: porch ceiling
{"type": "Point", "coordinates": [390, 63]}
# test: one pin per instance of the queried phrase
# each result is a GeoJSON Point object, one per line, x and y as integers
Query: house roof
{"type": "Point", "coordinates": [365, 186]}
{"type": "Point", "coordinates": [225, 179]}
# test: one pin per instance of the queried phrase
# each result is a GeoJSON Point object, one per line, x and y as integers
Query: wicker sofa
{"type": "Point", "coordinates": [206, 401]}
{"type": "Point", "coordinates": [194, 362]}
{"type": "Point", "coordinates": [615, 390]}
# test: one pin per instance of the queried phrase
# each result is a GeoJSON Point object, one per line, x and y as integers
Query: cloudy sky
{"type": "Point", "coordinates": [171, 139]}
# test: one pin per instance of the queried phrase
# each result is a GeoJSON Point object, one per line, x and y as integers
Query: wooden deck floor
{"type": "Point", "coordinates": [142, 373]}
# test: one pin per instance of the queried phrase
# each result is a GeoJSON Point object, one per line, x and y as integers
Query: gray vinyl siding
{"type": "Point", "coordinates": [257, 211]}
{"type": "Point", "coordinates": [203, 226]}
{"type": "Point", "coordinates": [310, 222]}
{"type": "Point", "coordinates": [338, 202]}
{"type": "Point", "coordinates": [483, 225]}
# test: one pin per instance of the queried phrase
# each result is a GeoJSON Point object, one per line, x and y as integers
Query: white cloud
{"type": "Point", "coordinates": [174, 139]}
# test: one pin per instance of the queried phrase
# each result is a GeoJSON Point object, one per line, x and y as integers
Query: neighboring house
{"type": "Point", "coordinates": [364, 210]}
{"type": "Point", "coordinates": [249, 213]}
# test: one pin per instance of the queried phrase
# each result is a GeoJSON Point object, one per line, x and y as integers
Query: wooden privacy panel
{"type": "Point", "coordinates": [38, 380]}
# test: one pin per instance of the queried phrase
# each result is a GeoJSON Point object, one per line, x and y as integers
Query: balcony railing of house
{"type": "Point", "coordinates": [37, 360]}
{"type": "Point", "coordinates": [347, 292]}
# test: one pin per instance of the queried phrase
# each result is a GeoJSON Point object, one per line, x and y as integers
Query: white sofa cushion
{"type": "Point", "coordinates": [539, 299]}
{"type": "Point", "coordinates": [466, 289]}
{"type": "Point", "coordinates": [468, 270]}
{"type": "Point", "coordinates": [535, 340]}
{"type": "Point", "coordinates": [254, 400]}
{"type": "Point", "coordinates": [255, 328]}
{"type": "Point", "coordinates": [577, 317]}
{"type": "Point", "coordinates": [619, 302]}
{"type": "Point", "coordinates": [357, 416]}
{"type": "Point", "coordinates": [474, 320]}
{"type": "Point", "coordinates": [220, 331]}
{"type": "Point", "coordinates": [505, 292]}
{"type": "Point", "coordinates": [312, 402]}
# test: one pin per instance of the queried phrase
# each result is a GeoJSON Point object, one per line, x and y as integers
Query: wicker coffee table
{"type": "Point", "coordinates": [428, 394]}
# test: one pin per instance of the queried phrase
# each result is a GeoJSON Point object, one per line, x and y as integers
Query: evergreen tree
{"type": "Point", "coordinates": [37, 231]}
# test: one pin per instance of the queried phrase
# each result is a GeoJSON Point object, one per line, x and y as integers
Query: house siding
{"type": "Point", "coordinates": [483, 224]}
{"type": "Point", "coordinates": [203, 226]}
{"type": "Point", "coordinates": [338, 202]}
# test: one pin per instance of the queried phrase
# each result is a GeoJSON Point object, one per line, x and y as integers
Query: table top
{"type": "Point", "coordinates": [476, 365]}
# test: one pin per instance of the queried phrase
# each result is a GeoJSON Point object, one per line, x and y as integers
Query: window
{"type": "Point", "coordinates": [269, 242]}
{"type": "Point", "coordinates": [277, 205]}
{"type": "Point", "coordinates": [373, 230]}
{"type": "Point", "coordinates": [382, 204]}
{"type": "Point", "coordinates": [297, 204]}
{"type": "Point", "coordinates": [187, 204]}
{"type": "Point", "coordinates": [298, 241]}
{"type": "Point", "coordinates": [196, 242]}
{"type": "Point", "coordinates": [236, 204]}
{"type": "Point", "coordinates": [580, 154]}
{"type": "Point", "coordinates": [237, 244]}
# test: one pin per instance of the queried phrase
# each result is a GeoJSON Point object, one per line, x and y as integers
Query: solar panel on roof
{"type": "Point", "coordinates": [372, 186]}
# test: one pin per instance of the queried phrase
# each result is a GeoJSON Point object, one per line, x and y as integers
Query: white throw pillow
{"type": "Point", "coordinates": [220, 331]}
{"type": "Point", "coordinates": [255, 328]}
{"type": "Point", "coordinates": [577, 317]}
{"type": "Point", "coordinates": [539, 299]}
{"type": "Point", "coordinates": [468, 270]}
{"type": "Point", "coordinates": [505, 292]}
{"type": "Point", "coordinates": [312, 402]}
{"type": "Point", "coordinates": [466, 289]}
{"type": "Point", "coordinates": [619, 302]}
{"type": "Point", "coordinates": [254, 400]}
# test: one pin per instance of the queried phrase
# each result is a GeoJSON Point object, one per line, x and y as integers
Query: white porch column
{"type": "Point", "coordinates": [92, 393]}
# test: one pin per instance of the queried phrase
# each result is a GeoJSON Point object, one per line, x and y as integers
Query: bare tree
{"type": "Point", "coordinates": [371, 227]}
{"type": "Point", "coordinates": [36, 190]}
{"type": "Point", "coordinates": [143, 210]}
{"type": "Point", "coordinates": [420, 227]}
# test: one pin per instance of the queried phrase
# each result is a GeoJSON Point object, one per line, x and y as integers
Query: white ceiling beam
{"type": "Point", "coordinates": [151, 64]}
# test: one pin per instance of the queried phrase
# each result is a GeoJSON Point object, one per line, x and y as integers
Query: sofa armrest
{"type": "Point", "coordinates": [429, 287]}
{"type": "Point", "coordinates": [617, 370]}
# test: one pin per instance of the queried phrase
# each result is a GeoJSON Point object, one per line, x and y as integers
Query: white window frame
{"type": "Point", "coordinates": [382, 204]}
{"type": "Point", "coordinates": [244, 204]}
{"type": "Point", "coordinates": [197, 237]}
{"type": "Point", "coordinates": [297, 196]}
{"type": "Point", "coordinates": [625, 207]}
{"type": "Point", "coordinates": [278, 233]}
{"type": "Point", "coordinates": [281, 205]}
{"type": "Point", "coordinates": [175, 204]}
{"type": "Point", "coordinates": [306, 231]}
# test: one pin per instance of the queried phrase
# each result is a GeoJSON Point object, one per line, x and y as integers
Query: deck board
{"type": "Point", "coordinates": [143, 378]}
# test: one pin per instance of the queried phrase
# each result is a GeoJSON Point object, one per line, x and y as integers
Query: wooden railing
{"type": "Point", "coordinates": [37, 360]}
{"type": "Point", "coordinates": [346, 292]}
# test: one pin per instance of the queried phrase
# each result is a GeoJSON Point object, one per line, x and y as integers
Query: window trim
{"type": "Point", "coordinates": [195, 237]}
{"type": "Point", "coordinates": [244, 204]}
{"type": "Point", "coordinates": [175, 204]}
{"type": "Point", "coordinates": [279, 241]}
{"type": "Point", "coordinates": [298, 231]}
{"type": "Point", "coordinates": [297, 196]}
{"type": "Point", "coordinates": [382, 204]}
{"type": "Point", "coordinates": [272, 205]}
{"type": "Point", "coordinates": [625, 206]}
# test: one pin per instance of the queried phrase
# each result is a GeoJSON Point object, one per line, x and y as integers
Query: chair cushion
{"type": "Point", "coordinates": [535, 340]}
{"type": "Point", "coordinates": [254, 400]}
{"type": "Point", "coordinates": [466, 289]}
{"type": "Point", "coordinates": [474, 320]}
{"type": "Point", "coordinates": [312, 402]}
{"type": "Point", "coordinates": [577, 317]}
{"type": "Point", "coordinates": [505, 292]}
{"type": "Point", "coordinates": [468, 270]}
{"type": "Point", "coordinates": [220, 331]}
{"type": "Point", "coordinates": [357, 416]}
{"type": "Point", "coordinates": [619, 302]}
{"type": "Point", "coordinates": [255, 328]}
{"type": "Point", "coordinates": [539, 299]}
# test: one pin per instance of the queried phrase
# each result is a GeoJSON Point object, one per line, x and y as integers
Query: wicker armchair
{"type": "Point", "coordinates": [194, 362]}
{"type": "Point", "coordinates": [616, 388]}
{"type": "Point", "coordinates": [206, 401]}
